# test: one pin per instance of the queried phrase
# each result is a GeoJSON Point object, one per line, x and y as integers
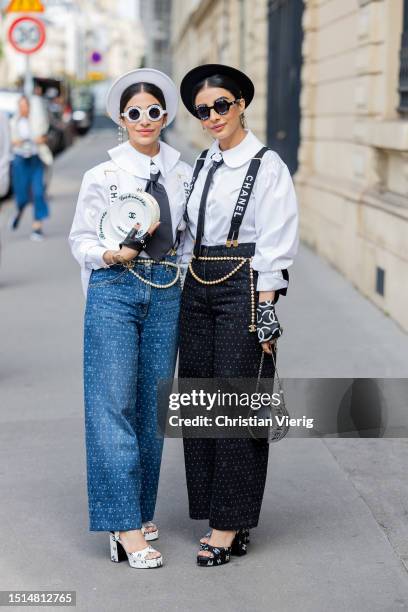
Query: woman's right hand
{"type": "Point", "coordinates": [126, 254]}
{"type": "Point", "coordinates": [152, 228]}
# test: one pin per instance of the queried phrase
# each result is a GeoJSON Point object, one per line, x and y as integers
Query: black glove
{"type": "Point", "coordinates": [133, 242]}
{"type": "Point", "coordinates": [267, 324]}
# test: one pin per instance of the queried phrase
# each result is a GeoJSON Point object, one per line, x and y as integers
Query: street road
{"type": "Point", "coordinates": [333, 534]}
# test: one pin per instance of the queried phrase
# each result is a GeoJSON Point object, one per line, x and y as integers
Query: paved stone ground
{"type": "Point", "coordinates": [333, 532]}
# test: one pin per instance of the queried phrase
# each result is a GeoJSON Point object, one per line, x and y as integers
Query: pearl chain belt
{"type": "Point", "coordinates": [242, 262]}
{"type": "Point", "coordinates": [131, 264]}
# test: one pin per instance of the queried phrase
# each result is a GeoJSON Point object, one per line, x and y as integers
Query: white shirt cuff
{"type": "Point", "coordinates": [94, 257]}
{"type": "Point", "coordinates": [271, 281]}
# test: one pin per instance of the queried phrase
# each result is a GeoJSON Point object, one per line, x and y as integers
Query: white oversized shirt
{"type": "Point", "coordinates": [271, 217]}
{"type": "Point", "coordinates": [29, 147]}
{"type": "Point", "coordinates": [132, 171]}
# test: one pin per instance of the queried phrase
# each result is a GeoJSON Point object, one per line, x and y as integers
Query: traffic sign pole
{"type": "Point", "coordinates": [28, 78]}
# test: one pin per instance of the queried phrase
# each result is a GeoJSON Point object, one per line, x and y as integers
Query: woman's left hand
{"type": "Point", "coordinates": [267, 324]}
{"type": "Point", "coordinates": [267, 346]}
{"type": "Point", "coordinates": [263, 296]}
{"type": "Point", "coordinates": [125, 254]}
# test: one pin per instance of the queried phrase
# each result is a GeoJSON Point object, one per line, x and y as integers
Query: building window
{"type": "Point", "coordinates": [161, 8]}
{"type": "Point", "coordinates": [380, 281]}
{"type": "Point", "coordinates": [160, 46]}
{"type": "Point", "coordinates": [403, 77]}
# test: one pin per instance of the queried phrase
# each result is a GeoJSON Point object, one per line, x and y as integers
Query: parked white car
{"type": "Point", "coordinates": [9, 101]}
{"type": "Point", "coordinates": [4, 155]}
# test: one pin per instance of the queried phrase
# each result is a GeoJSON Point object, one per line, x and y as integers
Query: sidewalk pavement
{"type": "Point", "coordinates": [333, 530]}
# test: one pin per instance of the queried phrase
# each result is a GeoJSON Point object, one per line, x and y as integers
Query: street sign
{"type": "Point", "coordinates": [27, 35]}
{"type": "Point", "coordinates": [96, 57]}
{"type": "Point", "coordinates": [25, 6]}
{"type": "Point", "coordinates": [96, 76]}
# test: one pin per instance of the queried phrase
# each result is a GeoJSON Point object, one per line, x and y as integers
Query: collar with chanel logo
{"type": "Point", "coordinates": [217, 157]}
{"type": "Point", "coordinates": [154, 170]}
{"type": "Point", "coordinates": [238, 155]}
{"type": "Point", "coordinates": [138, 164]}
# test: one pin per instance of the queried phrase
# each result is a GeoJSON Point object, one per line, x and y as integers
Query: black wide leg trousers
{"type": "Point", "coordinates": [225, 477]}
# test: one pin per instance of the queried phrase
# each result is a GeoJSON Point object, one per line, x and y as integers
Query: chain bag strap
{"type": "Point", "coordinates": [276, 431]}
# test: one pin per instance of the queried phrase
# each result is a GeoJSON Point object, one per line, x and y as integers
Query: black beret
{"type": "Point", "coordinates": [200, 73]}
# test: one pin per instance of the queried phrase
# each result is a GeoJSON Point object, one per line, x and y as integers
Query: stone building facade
{"type": "Point", "coordinates": [353, 175]}
{"type": "Point", "coordinates": [225, 31]}
{"type": "Point", "coordinates": [351, 167]}
{"type": "Point", "coordinates": [155, 16]}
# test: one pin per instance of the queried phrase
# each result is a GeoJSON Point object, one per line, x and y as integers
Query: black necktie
{"type": "Point", "coordinates": [203, 203]}
{"type": "Point", "coordinates": [162, 239]}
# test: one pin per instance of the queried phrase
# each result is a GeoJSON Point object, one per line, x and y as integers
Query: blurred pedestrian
{"type": "Point", "coordinates": [131, 318]}
{"type": "Point", "coordinates": [39, 109]}
{"type": "Point", "coordinates": [4, 155]}
{"type": "Point", "coordinates": [30, 156]}
{"type": "Point", "coordinates": [242, 212]}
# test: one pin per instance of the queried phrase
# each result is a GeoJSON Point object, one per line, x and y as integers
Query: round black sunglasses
{"type": "Point", "coordinates": [221, 107]}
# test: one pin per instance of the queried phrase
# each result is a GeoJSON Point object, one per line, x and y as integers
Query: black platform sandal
{"type": "Point", "coordinates": [239, 544]}
{"type": "Point", "coordinates": [221, 555]}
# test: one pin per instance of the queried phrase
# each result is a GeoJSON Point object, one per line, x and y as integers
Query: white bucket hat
{"type": "Point", "coordinates": [142, 75]}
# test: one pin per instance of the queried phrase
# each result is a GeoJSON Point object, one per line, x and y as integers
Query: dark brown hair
{"type": "Point", "coordinates": [217, 80]}
{"type": "Point", "coordinates": [136, 88]}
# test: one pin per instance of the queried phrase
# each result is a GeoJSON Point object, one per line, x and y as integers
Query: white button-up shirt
{"type": "Point", "coordinates": [29, 147]}
{"type": "Point", "coordinates": [132, 170]}
{"type": "Point", "coordinates": [271, 217]}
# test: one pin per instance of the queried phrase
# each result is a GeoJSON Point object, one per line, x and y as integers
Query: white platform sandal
{"type": "Point", "coordinates": [150, 535]}
{"type": "Point", "coordinates": [137, 559]}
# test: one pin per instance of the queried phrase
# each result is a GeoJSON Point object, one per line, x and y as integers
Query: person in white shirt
{"type": "Point", "coordinates": [243, 229]}
{"type": "Point", "coordinates": [30, 156]}
{"type": "Point", "coordinates": [133, 292]}
{"type": "Point", "coordinates": [5, 155]}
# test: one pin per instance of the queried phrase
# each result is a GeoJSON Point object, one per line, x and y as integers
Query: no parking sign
{"type": "Point", "coordinates": [27, 35]}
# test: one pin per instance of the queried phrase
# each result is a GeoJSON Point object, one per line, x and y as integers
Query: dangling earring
{"type": "Point", "coordinates": [243, 120]}
{"type": "Point", "coordinates": [121, 134]}
{"type": "Point", "coordinates": [203, 127]}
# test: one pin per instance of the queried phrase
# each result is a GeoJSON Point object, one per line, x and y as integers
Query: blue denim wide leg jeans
{"type": "Point", "coordinates": [130, 342]}
{"type": "Point", "coordinates": [28, 184]}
